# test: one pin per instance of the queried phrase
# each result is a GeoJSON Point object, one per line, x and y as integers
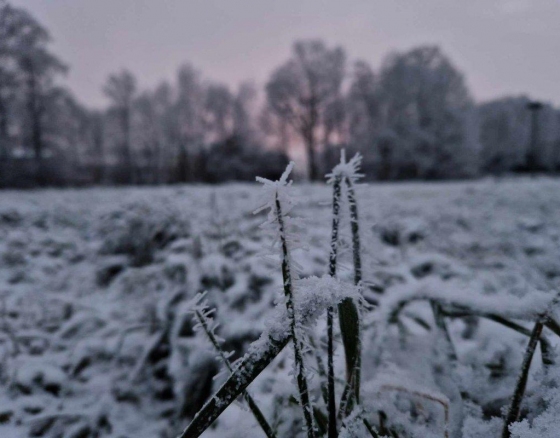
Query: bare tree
{"type": "Point", "coordinates": [301, 90]}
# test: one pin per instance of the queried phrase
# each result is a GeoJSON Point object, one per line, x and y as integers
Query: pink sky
{"type": "Point", "coordinates": [502, 46]}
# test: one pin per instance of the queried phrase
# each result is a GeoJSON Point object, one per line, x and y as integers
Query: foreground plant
{"type": "Point", "coordinates": [346, 173]}
{"type": "Point", "coordinates": [280, 204]}
{"type": "Point", "coordinates": [305, 300]}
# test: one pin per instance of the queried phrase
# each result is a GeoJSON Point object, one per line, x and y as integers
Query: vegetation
{"type": "Point", "coordinates": [356, 419]}
{"type": "Point", "coordinates": [414, 118]}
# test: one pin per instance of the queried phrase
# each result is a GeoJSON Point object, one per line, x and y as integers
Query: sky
{"type": "Point", "coordinates": [504, 47]}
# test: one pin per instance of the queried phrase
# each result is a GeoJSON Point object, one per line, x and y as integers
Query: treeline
{"type": "Point", "coordinates": [414, 118]}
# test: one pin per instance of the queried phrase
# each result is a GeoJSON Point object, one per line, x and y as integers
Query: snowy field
{"type": "Point", "coordinates": [95, 340]}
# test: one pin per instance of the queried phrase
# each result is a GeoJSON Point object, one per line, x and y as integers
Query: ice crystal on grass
{"type": "Point", "coordinates": [547, 423]}
{"type": "Point", "coordinates": [205, 325]}
{"type": "Point", "coordinates": [316, 294]}
{"type": "Point", "coordinates": [344, 169]}
{"type": "Point", "coordinates": [281, 191]}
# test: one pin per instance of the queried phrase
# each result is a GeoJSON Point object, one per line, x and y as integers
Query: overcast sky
{"type": "Point", "coordinates": [502, 46]}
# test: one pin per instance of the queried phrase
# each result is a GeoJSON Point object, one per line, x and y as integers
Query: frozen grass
{"type": "Point", "coordinates": [454, 278]}
{"type": "Point", "coordinates": [388, 310]}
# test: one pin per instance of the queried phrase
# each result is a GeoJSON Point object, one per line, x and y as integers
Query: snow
{"type": "Point", "coordinates": [94, 329]}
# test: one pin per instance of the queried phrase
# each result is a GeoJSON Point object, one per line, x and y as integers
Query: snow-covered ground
{"type": "Point", "coordinates": [96, 341]}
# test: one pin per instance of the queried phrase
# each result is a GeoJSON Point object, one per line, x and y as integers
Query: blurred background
{"type": "Point", "coordinates": [142, 92]}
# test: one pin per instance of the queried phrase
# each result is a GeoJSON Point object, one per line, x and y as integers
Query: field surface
{"type": "Point", "coordinates": [95, 285]}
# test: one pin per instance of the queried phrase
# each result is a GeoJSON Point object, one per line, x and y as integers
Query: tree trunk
{"type": "Point", "coordinates": [34, 108]}
{"type": "Point", "coordinates": [311, 157]}
{"type": "Point", "coordinates": [3, 130]}
{"type": "Point", "coordinates": [99, 159]}
{"type": "Point", "coordinates": [4, 155]}
{"type": "Point", "coordinates": [126, 150]}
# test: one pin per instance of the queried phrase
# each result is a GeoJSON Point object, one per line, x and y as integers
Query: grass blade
{"type": "Point", "coordinates": [331, 399]}
{"type": "Point", "coordinates": [254, 362]}
{"type": "Point", "coordinates": [348, 311]}
{"type": "Point", "coordinates": [515, 407]}
{"type": "Point", "coordinates": [301, 377]}
{"type": "Point", "coordinates": [257, 413]}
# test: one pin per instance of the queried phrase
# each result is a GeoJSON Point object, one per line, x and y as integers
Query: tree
{"type": "Point", "coordinates": [242, 111]}
{"type": "Point", "coordinates": [189, 120]}
{"type": "Point", "coordinates": [276, 130]}
{"type": "Point", "coordinates": [426, 105]}
{"type": "Point", "coordinates": [364, 119]}
{"type": "Point", "coordinates": [218, 105]}
{"type": "Point", "coordinates": [301, 90]}
{"type": "Point", "coordinates": [121, 90]}
{"type": "Point", "coordinates": [38, 68]}
{"type": "Point", "coordinates": [97, 158]}
{"type": "Point", "coordinates": [27, 74]}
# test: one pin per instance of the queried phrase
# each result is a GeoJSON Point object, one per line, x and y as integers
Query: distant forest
{"type": "Point", "coordinates": [413, 119]}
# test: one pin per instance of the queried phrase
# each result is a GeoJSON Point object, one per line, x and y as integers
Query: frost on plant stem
{"type": "Point", "coordinates": [348, 173]}
{"type": "Point", "coordinates": [314, 295]}
{"type": "Point", "coordinates": [547, 423]}
{"type": "Point", "coordinates": [515, 407]}
{"type": "Point", "coordinates": [279, 203]}
{"type": "Point", "coordinates": [344, 169]}
{"type": "Point", "coordinates": [317, 294]}
{"type": "Point", "coordinates": [331, 402]}
{"type": "Point", "coordinates": [205, 323]}
{"type": "Point", "coordinates": [283, 227]}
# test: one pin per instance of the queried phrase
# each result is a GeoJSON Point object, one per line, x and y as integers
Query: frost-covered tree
{"type": "Point", "coordinates": [301, 90]}
{"type": "Point", "coordinates": [28, 71]}
{"type": "Point", "coordinates": [364, 119]}
{"type": "Point", "coordinates": [428, 113]}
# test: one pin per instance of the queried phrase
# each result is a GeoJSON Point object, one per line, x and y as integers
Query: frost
{"type": "Point", "coordinates": [547, 423]}
{"type": "Point", "coordinates": [84, 346]}
{"type": "Point", "coordinates": [350, 169]}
